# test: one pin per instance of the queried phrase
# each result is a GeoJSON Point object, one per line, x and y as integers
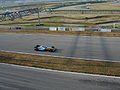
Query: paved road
{"type": "Point", "coordinates": [103, 48]}
{"type": "Point", "coordinates": [21, 78]}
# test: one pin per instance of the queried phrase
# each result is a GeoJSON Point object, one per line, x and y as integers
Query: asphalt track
{"type": "Point", "coordinates": [87, 47]}
{"type": "Point", "coordinates": [24, 78]}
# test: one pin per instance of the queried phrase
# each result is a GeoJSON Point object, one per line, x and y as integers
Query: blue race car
{"type": "Point", "coordinates": [44, 48]}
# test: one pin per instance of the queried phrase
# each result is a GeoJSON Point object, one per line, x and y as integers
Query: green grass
{"type": "Point", "coordinates": [34, 25]}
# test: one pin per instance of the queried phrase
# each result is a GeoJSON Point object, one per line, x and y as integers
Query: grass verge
{"type": "Point", "coordinates": [73, 65]}
{"type": "Point", "coordinates": [75, 33]}
{"type": "Point", "coordinates": [105, 6]}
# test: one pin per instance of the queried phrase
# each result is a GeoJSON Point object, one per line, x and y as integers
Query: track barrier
{"type": "Point", "coordinates": [62, 29]}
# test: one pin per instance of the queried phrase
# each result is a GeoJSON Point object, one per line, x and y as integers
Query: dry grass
{"type": "Point", "coordinates": [105, 7]}
{"type": "Point", "coordinates": [84, 66]}
{"type": "Point", "coordinates": [85, 12]}
{"type": "Point", "coordinates": [86, 20]}
{"type": "Point", "coordinates": [81, 33]}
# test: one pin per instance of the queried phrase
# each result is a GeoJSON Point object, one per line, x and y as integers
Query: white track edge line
{"type": "Point", "coordinates": [58, 35]}
{"type": "Point", "coordinates": [61, 56]}
{"type": "Point", "coordinates": [66, 72]}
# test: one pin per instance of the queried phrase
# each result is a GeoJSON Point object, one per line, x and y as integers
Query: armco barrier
{"type": "Point", "coordinates": [97, 30]}
{"type": "Point", "coordinates": [78, 29]}
{"type": "Point", "coordinates": [105, 30]}
{"type": "Point", "coordinates": [36, 28]}
{"type": "Point", "coordinates": [52, 28]}
{"type": "Point", "coordinates": [115, 30]}
{"type": "Point", "coordinates": [3, 27]}
{"type": "Point", "coordinates": [62, 29]}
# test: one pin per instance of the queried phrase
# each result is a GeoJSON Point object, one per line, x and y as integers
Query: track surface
{"type": "Point", "coordinates": [21, 78]}
{"type": "Point", "coordinates": [102, 48]}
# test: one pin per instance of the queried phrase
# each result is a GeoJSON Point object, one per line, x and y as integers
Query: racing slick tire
{"type": "Point", "coordinates": [53, 47]}
{"type": "Point", "coordinates": [36, 49]}
{"type": "Point", "coordinates": [53, 50]}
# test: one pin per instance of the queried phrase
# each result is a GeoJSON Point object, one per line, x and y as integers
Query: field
{"type": "Point", "coordinates": [56, 20]}
{"type": "Point", "coordinates": [105, 7]}
{"type": "Point", "coordinates": [92, 19]}
{"type": "Point", "coordinates": [73, 65]}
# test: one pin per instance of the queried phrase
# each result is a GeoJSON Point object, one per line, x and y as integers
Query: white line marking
{"type": "Point", "coordinates": [62, 56]}
{"type": "Point", "coordinates": [61, 35]}
{"type": "Point", "coordinates": [66, 72]}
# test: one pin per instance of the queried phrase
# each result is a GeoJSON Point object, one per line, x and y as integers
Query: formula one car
{"type": "Point", "coordinates": [44, 48]}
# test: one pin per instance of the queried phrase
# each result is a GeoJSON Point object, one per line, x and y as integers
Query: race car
{"type": "Point", "coordinates": [44, 48]}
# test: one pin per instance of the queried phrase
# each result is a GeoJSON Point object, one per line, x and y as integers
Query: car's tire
{"type": "Point", "coordinates": [53, 47]}
{"type": "Point", "coordinates": [36, 49]}
{"type": "Point", "coordinates": [53, 50]}
{"type": "Point", "coordinates": [50, 51]}
{"type": "Point", "coordinates": [37, 45]}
